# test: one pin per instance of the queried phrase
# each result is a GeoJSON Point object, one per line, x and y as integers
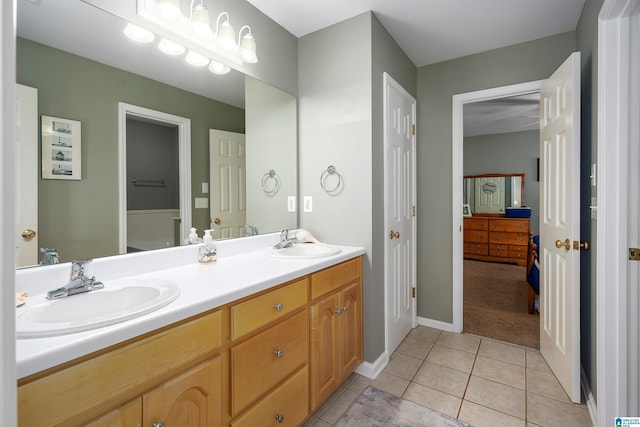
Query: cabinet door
{"type": "Point", "coordinates": [350, 329]}
{"type": "Point", "coordinates": [325, 366]}
{"type": "Point", "coordinates": [191, 399]}
{"type": "Point", "coordinates": [129, 415]}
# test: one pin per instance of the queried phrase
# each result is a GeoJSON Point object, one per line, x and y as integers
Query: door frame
{"type": "Point", "coordinates": [184, 164]}
{"type": "Point", "coordinates": [389, 81]}
{"type": "Point", "coordinates": [457, 143]}
{"type": "Point", "coordinates": [613, 354]}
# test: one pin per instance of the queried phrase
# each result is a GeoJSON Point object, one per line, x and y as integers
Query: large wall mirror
{"type": "Point", "coordinates": [493, 193]}
{"type": "Point", "coordinates": [77, 57]}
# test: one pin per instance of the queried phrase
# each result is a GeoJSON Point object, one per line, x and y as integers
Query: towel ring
{"type": "Point", "coordinates": [271, 175]}
{"type": "Point", "coordinates": [330, 171]}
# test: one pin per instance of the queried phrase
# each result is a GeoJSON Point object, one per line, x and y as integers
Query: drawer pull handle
{"type": "Point", "coordinates": [279, 353]}
{"type": "Point", "coordinates": [278, 307]}
{"type": "Point", "coordinates": [279, 418]}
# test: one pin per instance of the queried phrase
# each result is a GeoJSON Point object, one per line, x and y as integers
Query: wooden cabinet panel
{"type": "Point", "coordinates": [192, 399]}
{"type": "Point", "coordinates": [335, 277]}
{"type": "Point", "coordinates": [128, 415]}
{"type": "Point", "coordinates": [508, 238]}
{"type": "Point", "coordinates": [288, 405]}
{"type": "Point", "coordinates": [476, 224]}
{"type": "Point", "coordinates": [266, 308]}
{"type": "Point", "coordinates": [476, 236]}
{"type": "Point", "coordinates": [264, 360]}
{"type": "Point", "coordinates": [325, 335]}
{"type": "Point", "coordinates": [351, 329]}
{"type": "Point", "coordinates": [509, 225]}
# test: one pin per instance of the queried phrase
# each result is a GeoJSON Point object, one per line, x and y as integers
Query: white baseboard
{"type": "Point", "coordinates": [591, 401]}
{"type": "Point", "coordinates": [372, 370]}
{"type": "Point", "coordinates": [437, 324]}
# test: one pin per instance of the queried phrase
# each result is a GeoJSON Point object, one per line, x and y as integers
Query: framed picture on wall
{"type": "Point", "coordinates": [466, 209]}
{"type": "Point", "coordinates": [61, 148]}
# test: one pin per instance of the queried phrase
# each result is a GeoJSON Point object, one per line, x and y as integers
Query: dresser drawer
{"type": "Point", "coordinates": [258, 311]}
{"type": "Point", "coordinates": [518, 251]}
{"type": "Point", "coordinates": [335, 277]}
{"type": "Point", "coordinates": [508, 238]}
{"type": "Point", "coordinates": [499, 250]}
{"type": "Point", "coordinates": [475, 224]}
{"type": "Point", "coordinates": [478, 249]}
{"type": "Point", "coordinates": [264, 360]}
{"type": "Point", "coordinates": [476, 236]}
{"type": "Point", "coordinates": [287, 405]}
{"type": "Point", "coordinates": [510, 225]}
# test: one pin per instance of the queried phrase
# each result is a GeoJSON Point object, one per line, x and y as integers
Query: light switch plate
{"type": "Point", "coordinates": [202, 202]}
{"type": "Point", "coordinates": [291, 204]}
{"type": "Point", "coordinates": [205, 187]}
{"type": "Point", "coordinates": [308, 203]}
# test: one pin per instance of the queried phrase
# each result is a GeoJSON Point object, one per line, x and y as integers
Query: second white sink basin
{"type": "Point", "coordinates": [119, 301]}
{"type": "Point", "coordinates": [304, 251]}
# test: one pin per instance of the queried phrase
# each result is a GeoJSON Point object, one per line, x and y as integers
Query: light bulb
{"type": "Point", "coordinates": [170, 48]}
{"type": "Point", "coordinates": [219, 68]}
{"type": "Point", "coordinates": [170, 9]}
{"type": "Point", "coordinates": [196, 59]}
{"type": "Point", "coordinates": [200, 20]}
{"type": "Point", "coordinates": [138, 34]}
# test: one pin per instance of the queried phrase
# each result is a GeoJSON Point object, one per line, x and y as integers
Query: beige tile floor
{"type": "Point", "coordinates": [478, 380]}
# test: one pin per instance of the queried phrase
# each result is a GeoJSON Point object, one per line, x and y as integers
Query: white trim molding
{"type": "Point", "coordinates": [457, 143]}
{"type": "Point", "coordinates": [184, 161]}
{"type": "Point", "coordinates": [372, 370]}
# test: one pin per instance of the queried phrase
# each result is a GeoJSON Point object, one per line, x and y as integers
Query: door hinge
{"type": "Point", "coordinates": [413, 292]}
{"type": "Point", "coordinates": [413, 210]}
{"type": "Point", "coordinates": [634, 254]}
{"type": "Point", "coordinates": [413, 129]}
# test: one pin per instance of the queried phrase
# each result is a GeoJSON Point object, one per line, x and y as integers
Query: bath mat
{"type": "Point", "coordinates": [376, 408]}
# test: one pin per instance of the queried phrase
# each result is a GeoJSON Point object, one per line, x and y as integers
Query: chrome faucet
{"type": "Point", "coordinates": [252, 230]}
{"type": "Point", "coordinates": [285, 240]}
{"type": "Point", "coordinates": [78, 283]}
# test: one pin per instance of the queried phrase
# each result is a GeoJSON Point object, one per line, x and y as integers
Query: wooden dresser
{"type": "Point", "coordinates": [497, 239]}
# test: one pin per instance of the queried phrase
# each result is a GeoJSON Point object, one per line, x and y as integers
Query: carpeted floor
{"type": "Point", "coordinates": [495, 303]}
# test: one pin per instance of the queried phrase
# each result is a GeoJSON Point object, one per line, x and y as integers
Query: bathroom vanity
{"type": "Point", "coordinates": [251, 340]}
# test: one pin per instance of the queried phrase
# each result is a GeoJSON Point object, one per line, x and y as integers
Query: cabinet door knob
{"type": "Point", "coordinates": [278, 307]}
{"type": "Point", "coordinates": [344, 308]}
{"type": "Point", "coordinates": [279, 353]}
{"type": "Point", "coordinates": [339, 311]}
{"type": "Point", "coordinates": [160, 424]}
{"type": "Point", "coordinates": [279, 418]}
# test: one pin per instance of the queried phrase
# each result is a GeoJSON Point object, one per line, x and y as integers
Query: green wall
{"type": "Point", "coordinates": [437, 84]}
{"type": "Point", "coordinates": [80, 218]}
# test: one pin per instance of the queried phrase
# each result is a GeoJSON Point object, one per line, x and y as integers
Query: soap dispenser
{"type": "Point", "coordinates": [208, 250]}
{"type": "Point", "coordinates": [193, 236]}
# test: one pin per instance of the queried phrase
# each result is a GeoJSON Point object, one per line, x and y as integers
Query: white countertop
{"type": "Point", "coordinates": [242, 269]}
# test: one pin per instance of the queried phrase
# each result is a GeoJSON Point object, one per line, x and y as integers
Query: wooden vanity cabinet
{"type": "Point", "coordinates": [336, 328]}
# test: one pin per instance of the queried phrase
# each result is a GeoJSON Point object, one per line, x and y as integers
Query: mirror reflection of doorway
{"type": "Point", "coordinates": [495, 302]}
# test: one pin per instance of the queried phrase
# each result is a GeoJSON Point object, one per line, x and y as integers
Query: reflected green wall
{"type": "Point", "coordinates": [80, 218]}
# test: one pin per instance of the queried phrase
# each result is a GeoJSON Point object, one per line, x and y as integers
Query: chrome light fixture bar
{"type": "Point", "coordinates": [195, 31]}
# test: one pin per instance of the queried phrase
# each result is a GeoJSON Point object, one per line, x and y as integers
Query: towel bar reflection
{"type": "Point", "coordinates": [331, 171]}
{"type": "Point", "coordinates": [270, 188]}
{"type": "Point", "coordinates": [148, 182]}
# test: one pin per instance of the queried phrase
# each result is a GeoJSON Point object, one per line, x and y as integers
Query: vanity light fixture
{"type": "Point", "coordinates": [170, 9]}
{"type": "Point", "coordinates": [247, 47]}
{"type": "Point", "coordinates": [225, 34]}
{"type": "Point", "coordinates": [200, 20]}
{"type": "Point", "coordinates": [170, 48]}
{"type": "Point", "coordinates": [196, 59]}
{"type": "Point", "coordinates": [218, 68]}
{"type": "Point", "coordinates": [138, 34]}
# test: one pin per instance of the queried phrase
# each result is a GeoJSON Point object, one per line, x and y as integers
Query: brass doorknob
{"type": "Point", "coordinates": [28, 234]}
{"type": "Point", "coordinates": [394, 234]}
{"type": "Point", "coordinates": [584, 245]}
{"type": "Point", "coordinates": [216, 221]}
{"type": "Point", "coordinates": [566, 244]}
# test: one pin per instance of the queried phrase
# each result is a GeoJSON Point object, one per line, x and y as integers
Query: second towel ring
{"type": "Point", "coordinates": [271, 175]}
{"type": "Point", "coordinates": [330, 171]}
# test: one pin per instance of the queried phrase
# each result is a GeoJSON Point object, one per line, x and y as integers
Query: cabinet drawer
{"type": "Point", "coordinates": [258, 311]}
{"type": "Point", "coordinates": [290, 401]}
{"type": "Point", "coordinates": [335, 277]}
{"type": "Point", "coordinates": [478, 249]}
{"type": "Point", "coordinates": [518, 251]}
{"type": "Point", "coordinates": [515, 225]}
{"type": "Point", "coordinates": [475, 224]}
{"type": "Point", "coordinates": [475, 236]}
{"type": "Point", "coordinates": [499, 250]}
{"type": "Point", "coordinates": [264, 360]}
{"type": "Point", "coordinates": [508, 238]}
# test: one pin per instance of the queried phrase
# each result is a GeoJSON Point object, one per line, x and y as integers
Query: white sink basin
{"type": "Point", "coordinates": [120, 300]}
{"type": "Point", "coordinates": [304, 251]}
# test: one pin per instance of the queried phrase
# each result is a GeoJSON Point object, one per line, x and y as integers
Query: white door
{"type": "Point", "coordinates": [227, 160]}
{"type": "Point", "coordinates": [26, 176]}
{"type": "Point", "coordinates": [399, 212]}
{"type": "Point", "coordinates": [560, 224]}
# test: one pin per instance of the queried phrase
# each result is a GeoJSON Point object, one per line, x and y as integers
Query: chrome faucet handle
{"type": "Point", "coordinates": [78, 267]}
{"type": "Point", "coordinates": [284, 234]}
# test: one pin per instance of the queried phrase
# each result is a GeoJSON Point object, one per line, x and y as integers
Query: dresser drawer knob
{"type": "Point", "coordinates": [338, 311]}
{"type": "Point", "coordinates": [345, 309]}
{"type": "Point", "coordinates": [279, 353]}
{"type": "Point", "coordinates": [279, 418]}
{"type": "Point", "coordinates": [278, 307]}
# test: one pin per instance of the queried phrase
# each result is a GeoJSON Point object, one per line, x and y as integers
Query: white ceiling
{"type": "Point", "coordinates": [429, 31]}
